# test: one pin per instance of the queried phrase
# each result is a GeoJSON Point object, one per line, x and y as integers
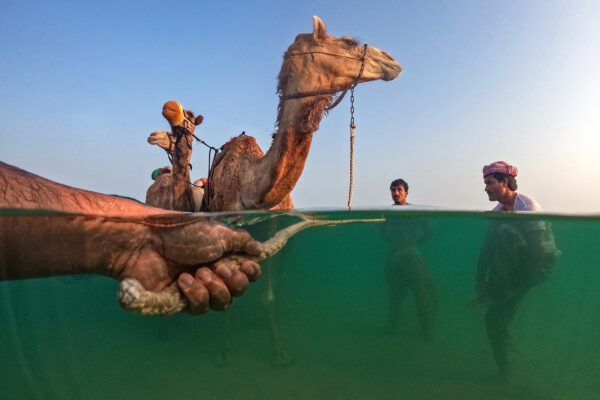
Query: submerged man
{"type": "Point", "coordinates": [516, 255]}
{"type": "Point", "coordinates": [118, 238]}
{"type": "Point", "coordinates": [405, 269]}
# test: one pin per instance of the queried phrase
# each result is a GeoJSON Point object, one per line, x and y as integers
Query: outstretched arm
{"type": "Point", "coordinates": [119, 238]}
{"type": "Point", "coordinates": [24, 190]}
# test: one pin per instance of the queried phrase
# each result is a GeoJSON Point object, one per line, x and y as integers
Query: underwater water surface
{"type": "Point", "coordinates": [325, 294]}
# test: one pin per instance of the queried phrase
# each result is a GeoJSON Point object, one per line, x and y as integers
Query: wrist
{"type": "Point", "coordinates": [112, 244]}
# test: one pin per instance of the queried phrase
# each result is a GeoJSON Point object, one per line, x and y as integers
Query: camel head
{"type": "Point", "coordinates": [162, 139]}
{"type": "Point", "coordinates": [178, 118]}
{"type": "Point", "coordinates": [171, 188]}
{"type": "Point", "coordinates": [315, 68]}
{"type": "Point", "coordinates": [321, 62]}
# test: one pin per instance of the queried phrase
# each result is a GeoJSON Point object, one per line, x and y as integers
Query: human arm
{"type": "Point", "coordinates": [119, 238]}
{"type": "Point", "coordinates": [483, 262]}
{"type": "Point", "coordinates": [541, 256]}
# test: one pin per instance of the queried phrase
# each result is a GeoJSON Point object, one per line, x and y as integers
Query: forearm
{"type": "Point", "coordinates": [35, 246]}
{"type": "Point", "coordinates": [482, 267]}
{"type": "Point", "coordinates": [24, 190]}
{"type": "Point", "coordinates": [485, 257]}
{"type": "Point", "coordinates": [483, 263]}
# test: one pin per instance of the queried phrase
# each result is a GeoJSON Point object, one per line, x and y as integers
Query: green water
{"type": "Point", "coordinates": [66, 338]}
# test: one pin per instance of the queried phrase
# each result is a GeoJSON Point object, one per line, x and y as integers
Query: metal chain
{"type": "Point", "coordinates": [352, 127]}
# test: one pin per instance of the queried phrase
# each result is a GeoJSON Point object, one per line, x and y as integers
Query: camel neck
{"type": "Point", "coordinates": [182, 153]}
{"type": "Point", "coordinates": [298, 120]}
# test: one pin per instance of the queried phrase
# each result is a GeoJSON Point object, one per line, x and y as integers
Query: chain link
{"type": "Point", "coordinates": [352, 127]}
{"type": "Point", "coordinates": [351, 106]}
{"type": "Point", "coordinates": [362, 68]}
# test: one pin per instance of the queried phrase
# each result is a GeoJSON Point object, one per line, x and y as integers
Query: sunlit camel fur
{"type": "Point", "coordinates": [160, 193]}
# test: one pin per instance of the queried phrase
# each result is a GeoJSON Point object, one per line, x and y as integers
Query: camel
{"type": "Point", "coordinates": [315, 67]}
{"type": "Point", "coordinates": [172, 189]}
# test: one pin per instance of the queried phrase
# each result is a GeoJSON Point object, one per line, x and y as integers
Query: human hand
{"type": "Point", "coordinates": [195, 254]}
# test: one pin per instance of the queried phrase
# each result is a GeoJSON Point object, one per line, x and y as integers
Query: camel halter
{"type": "Point", "coordinates": [300, 95]}
{"type": "Point", "coordinates": [180, 132]}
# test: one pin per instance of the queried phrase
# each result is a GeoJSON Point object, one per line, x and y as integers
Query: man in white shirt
{"type": "Point", "coordinates": [517, 254]}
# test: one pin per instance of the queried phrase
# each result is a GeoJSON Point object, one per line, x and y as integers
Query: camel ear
{"type": "Point", "coordinates": [318, 29]}
{"type": "Point", "coordinates": [198, 120]}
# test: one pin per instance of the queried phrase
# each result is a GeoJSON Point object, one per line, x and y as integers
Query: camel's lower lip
{"type": "Point", "coordinates": [392, 73]}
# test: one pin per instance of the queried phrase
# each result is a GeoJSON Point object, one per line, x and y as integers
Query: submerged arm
{"type": "Point", "coordinates": [119, 238]}
{"type": "Point", "coordinates": [484, 260]}
{"type": "Point", "coordinates": [36, 246]}
{"type": "Point", "coordinates": [133, 297]}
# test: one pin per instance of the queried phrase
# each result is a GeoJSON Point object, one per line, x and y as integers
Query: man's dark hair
{"type": "Point", "coordinates": [399, 182]}
{"type": "Point", "coordinates": [512, 182]}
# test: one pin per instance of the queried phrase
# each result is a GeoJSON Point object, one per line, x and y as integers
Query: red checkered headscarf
{"type": "Point", "coordinates": [501, 167]}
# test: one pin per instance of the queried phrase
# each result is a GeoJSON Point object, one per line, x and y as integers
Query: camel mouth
{"type": "Point", "coordinates": [173, 112]}
{"type": "Point", "coordinates": [392, 71]}
{"type": "Point", "coordinates": [387, 72]}
{"type": "Point", "coordinates": [156, 137]}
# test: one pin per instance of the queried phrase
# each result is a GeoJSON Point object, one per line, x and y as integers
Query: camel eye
{"type": "Point", "coordinates": [349, 41]}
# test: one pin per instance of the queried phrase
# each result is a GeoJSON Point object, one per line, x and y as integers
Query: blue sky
{"type": "Point", "coordinates": [83, 85]}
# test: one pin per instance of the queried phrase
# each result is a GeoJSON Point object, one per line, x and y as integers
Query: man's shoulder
{"type": "Point", "coordinates": [526, 203]}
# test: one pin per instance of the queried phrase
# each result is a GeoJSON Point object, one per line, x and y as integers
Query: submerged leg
{"type": "Point", "coordinates": [506, 263]}
{"type": "Point", "coordinates": [397, 280]}
{"type": "Point", "coordinates": [507, 282]}
{"type": "Point", "coordinates": [424, 294]}
{"type": "Point", "coordinates": [497, 321]}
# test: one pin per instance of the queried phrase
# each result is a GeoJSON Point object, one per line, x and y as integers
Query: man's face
{"type": "Point", "coordinates": [398, 194]}
{"type": "Point", "coordinates": [495, 189]}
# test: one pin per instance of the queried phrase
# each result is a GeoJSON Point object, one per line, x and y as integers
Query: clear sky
{"type": "Point", "coordinates": [83, 84]}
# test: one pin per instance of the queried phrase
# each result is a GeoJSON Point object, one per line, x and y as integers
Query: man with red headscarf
{"type": "Point", "coordinates": [501, 186]}
{"type": "Point", "coordinates": [517, 254]}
